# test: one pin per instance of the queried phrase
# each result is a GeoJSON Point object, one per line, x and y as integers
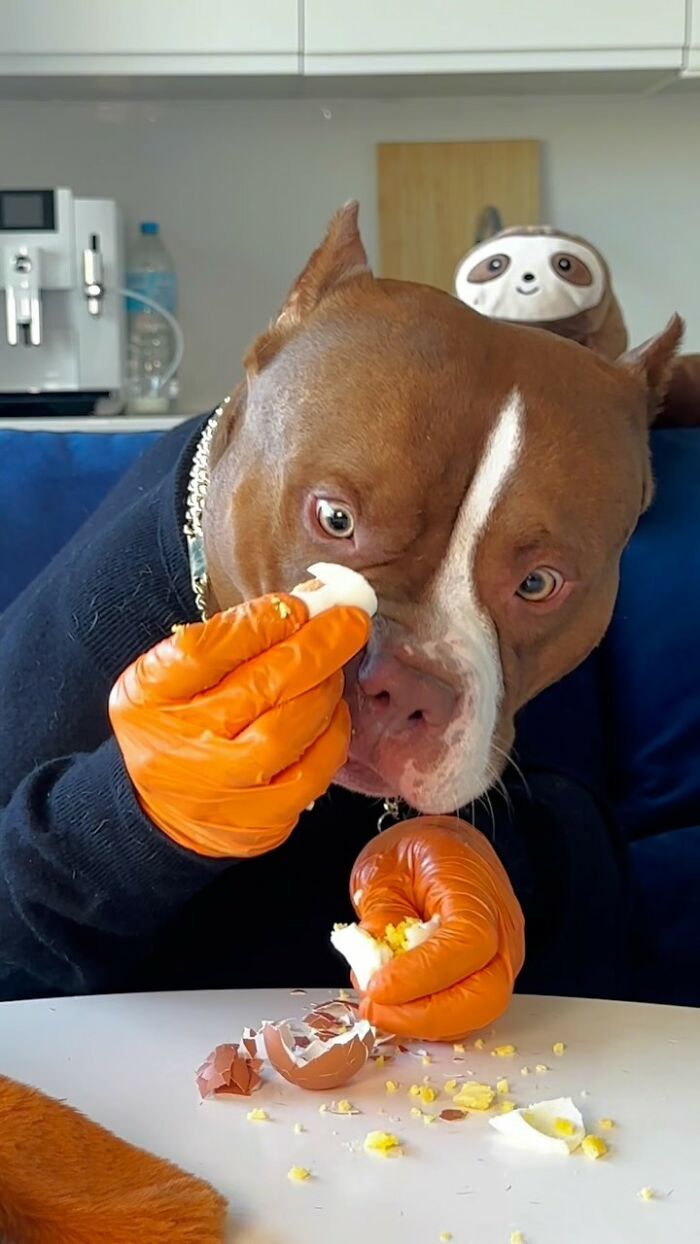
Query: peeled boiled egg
{"type": "Point", "coordinates": [366, 954]}
{"type": "Point", "coordinates": [549, 1127]}
{"type": "Point", "coordinates": [333, 585]}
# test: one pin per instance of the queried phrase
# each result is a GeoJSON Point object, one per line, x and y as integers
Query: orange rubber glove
{"type": "Point", "coordinates": [462, 977]}
{"type": "Point", "coordinates": [230, 728]}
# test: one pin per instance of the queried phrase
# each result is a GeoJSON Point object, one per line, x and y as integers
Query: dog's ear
{"type": "Point", "coordinates": [652, 363]}
{"type": "Point", "coordinates": [340, 257]}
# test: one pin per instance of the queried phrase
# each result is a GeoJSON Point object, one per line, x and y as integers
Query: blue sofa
{"type": "Point", "coordinates": [626, 722]}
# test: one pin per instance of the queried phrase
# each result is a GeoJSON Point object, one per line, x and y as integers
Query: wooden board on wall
{"type": "Point", "coordinates": [431, 196]}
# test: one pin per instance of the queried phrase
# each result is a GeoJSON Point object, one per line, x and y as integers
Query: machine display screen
{"type": "Point", "coordinates": [27, 209]}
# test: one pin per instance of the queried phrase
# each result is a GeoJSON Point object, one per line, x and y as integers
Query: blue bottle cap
{"type": "Point", "coordinates": [149, 227]}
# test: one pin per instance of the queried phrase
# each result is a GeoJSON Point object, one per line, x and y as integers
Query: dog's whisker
{"type": "Point", "coordinates": [510, 758]}
{"type": "Point", "coordinates": [485, 801]}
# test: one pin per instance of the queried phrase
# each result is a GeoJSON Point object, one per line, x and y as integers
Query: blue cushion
{"type": "Point", "coordinates": [651, 665]}
{"type": "Point", "coordinates": [49, 483]}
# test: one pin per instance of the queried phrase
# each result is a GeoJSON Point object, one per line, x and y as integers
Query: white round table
{"type": "Point", "coordinates": [129, 1061]}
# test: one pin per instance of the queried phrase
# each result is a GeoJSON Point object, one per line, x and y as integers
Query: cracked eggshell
{"type": "Point", "coordinates": [333, 585]}
{"type": "Point", "coordinates": [534, 1128]}
{"type": "Point", "coordinates": [303, 1058]}
{"type": "Point", "coordinates": [332, 1019]}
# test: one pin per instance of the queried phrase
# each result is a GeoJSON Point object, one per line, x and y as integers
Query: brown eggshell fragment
{"type": "Point", "coordinates": [332, 1019]}
{"type": "Point", "coordinates": [250, 1044]}
{"type": "Point", "coordinates": [305, 1059]}
{"type": "Point", "coordinates": [228, 1070]}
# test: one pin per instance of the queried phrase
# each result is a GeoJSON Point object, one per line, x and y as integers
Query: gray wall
{"type": "Point", "coordinates": [243, 189]}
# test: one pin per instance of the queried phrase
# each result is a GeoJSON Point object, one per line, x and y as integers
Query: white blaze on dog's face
{"type": "Point", "coordinates": [535, 278]}
{"type": "Point", "coordinates": [467, 635]}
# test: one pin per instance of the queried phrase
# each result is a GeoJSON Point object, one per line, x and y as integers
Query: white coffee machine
{"type": "Point", "coordinates": [62, 338]}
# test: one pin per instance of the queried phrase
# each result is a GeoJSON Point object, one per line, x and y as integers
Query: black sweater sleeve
{"type": "Point", "coordinates": [85, 879]}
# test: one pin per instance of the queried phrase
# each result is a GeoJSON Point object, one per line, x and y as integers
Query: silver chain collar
{"type": "Point", "coordinates": [196, 495]}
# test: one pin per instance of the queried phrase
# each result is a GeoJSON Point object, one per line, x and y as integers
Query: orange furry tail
{"type": "Point", "coordinates": [64, 1178]}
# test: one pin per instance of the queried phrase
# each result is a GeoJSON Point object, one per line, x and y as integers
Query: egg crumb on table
{"type": "Point", "coordinates": [258, 1116]}
{"type": "Point", "coordinates": [606, 1124]}
{"type": "Point", "coordinates": [479, 1043]}
{"type": "Point", "coordinates": [558, 1048]}
{"type": "Point", "coordinates": [503, 1051]}
{"type": "Point", "coordinates": [458, 1047]}
{"type": "Point", "coordinates": [445, 1236]}
{"type": "Point", "coordinates": [502, 1086]}
{"type": "Point", "coordinates": [345, 1107]}
{"type": "Point", "coordinates": [506, 1107]}
{"type": "Point", "coordinates": [525, 1071]}
{"type": "Point", "coordinates": [450, 1086]}
{"type": "Point", "coordinates": [474, 1096]}
{"type": "Point", "coordinates": [593, 1147]}
{"type": "Point", "coordinates": [383, 1143]}
{"type": "Point", "coordinates": [541, 1068]}
{"type": "Point", "coordinates": [392, 1086]}
{"type": "Point", "coordinates": [379, 1060]}
{"type": "Point", "coordinates": [517, 1237]}
{"type": "Point", "coordinates": [298, 1129]}
{"type": "Point", "coordinates": [298, 1174]}
{"type": "Point", "coordinates": [646, 1194]}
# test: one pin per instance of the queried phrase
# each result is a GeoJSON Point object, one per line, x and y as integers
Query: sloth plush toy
{"type": "Point", "coordinates": [549, 279]}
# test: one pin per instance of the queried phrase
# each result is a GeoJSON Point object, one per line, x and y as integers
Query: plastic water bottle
{"type": "Point", "coordinates": [151, 344]}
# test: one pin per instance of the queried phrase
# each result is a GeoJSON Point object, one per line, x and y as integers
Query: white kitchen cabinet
{"type": "Point", "coordinates": [492, 36]}
{"type": "Point", "coordinates": [693, 60]}
{"type": "Point", "coordinates": [87, 37]}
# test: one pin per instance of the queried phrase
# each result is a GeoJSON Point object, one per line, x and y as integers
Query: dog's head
{"type": "Point", "coordinates": [485, 478]}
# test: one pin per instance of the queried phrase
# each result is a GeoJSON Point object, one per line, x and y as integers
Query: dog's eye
{"type": "Point", "coordinates": [335, 519]}
{"type": "Point", "coordinates": [541, 584]}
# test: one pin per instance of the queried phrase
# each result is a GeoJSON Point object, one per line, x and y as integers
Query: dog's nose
{"type": "Point", "coordinates": [528, 276]}
{"type": "Point", "coordinates": [403, 696]}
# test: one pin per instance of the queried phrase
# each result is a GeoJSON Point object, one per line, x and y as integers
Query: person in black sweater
{"type": "Point", "coordinates": [93, 898]}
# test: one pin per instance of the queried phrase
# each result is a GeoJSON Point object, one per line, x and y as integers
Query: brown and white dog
{"type": "Point", "coordinates": [484, 477]}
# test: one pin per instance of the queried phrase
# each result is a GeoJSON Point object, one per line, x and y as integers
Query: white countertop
{"type": "Point", "coordinates": [129, 1062]}
{"type": "Point", "coordinates": [94, 423]}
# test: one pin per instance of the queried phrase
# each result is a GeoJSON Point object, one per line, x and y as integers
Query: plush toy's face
{"type": "Point", "coordinates": [531, 277]}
